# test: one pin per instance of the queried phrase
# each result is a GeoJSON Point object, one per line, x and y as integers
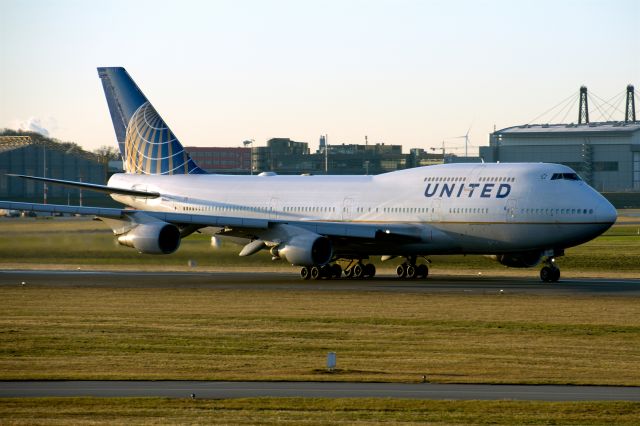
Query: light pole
{"type": "Point", "coordinates": [249, 142]}
{"type": "Point", "coordinates": [435, 149]}
{"type": "Point", "coordinates": [44, 172]}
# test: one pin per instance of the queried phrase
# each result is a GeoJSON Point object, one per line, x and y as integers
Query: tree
{"type": "Point", "coordinates": [110, 152]}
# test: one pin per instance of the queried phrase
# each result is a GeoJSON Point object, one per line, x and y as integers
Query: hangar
{"type": "Point", "coordinates": [605, 154]}
{"type": "Point", "coordinates": [39, 156]}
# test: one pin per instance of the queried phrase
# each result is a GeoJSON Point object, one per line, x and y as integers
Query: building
{"type": "Point", "coordinates": [222, 160]}
{"type": "Point", "coordinates": [284, 156]}
{"type": "Point", "coordinates": [36, 155]}
{"type": "Point", "coordinates": [606, 155]}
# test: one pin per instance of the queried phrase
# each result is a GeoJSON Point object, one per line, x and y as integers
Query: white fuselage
{"type": "Point", "coordinates": [479, 208]}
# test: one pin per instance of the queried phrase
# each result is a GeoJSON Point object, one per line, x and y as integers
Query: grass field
{"type": "Point", "coordinates": [297, 411]}
{"type": "Point", "coordinates": [73, 243]}
{"type": "Point", "coordinates": [191, 333]}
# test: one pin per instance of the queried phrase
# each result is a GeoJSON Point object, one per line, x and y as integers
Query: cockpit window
{"type": "Point", "coordinates": [565, 176]}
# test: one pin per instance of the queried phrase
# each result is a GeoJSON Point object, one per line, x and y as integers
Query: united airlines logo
{"type": "Point", "coordinates": [469, 190]}
{"type": "Point", "coordinates": [151, 148]}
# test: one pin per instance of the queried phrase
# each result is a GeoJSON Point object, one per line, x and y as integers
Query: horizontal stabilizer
{"type": "Point", "coordinates": [91, 186]}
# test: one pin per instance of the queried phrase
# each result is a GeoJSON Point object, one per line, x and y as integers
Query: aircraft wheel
{"type": "Point", "coordinates": [348, 272]}
{"type": "Point", "coordinates": [410, 272]}
{"type": "Point", "coordinates": [315, 273]}
{"type": "Point", "coordinates": [401, 270]}
{"type": "Point", "coordinates": [546, 274]}
{"type": "Point", "coordinates": [326, 271]}
{"type": "Point", "coordinates": [305, 273]}
{"type": "Point", "coordinates": [370, 270]}
{"type": "Point", "coordinates": [555, 276]}
{"type": "Point", "coordinates": [357, 271]}
{"type": "Point", "coordinates": [422, 271]}
{"type": "Point", "coordinates": [336, 270]}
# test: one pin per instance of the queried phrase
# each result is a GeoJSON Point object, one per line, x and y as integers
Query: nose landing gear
{"type": "Point", "coordinates": [550, 273]}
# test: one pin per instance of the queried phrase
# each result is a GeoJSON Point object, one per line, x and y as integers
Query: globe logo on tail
{"type": "Point", "coordinates": [151, 148]}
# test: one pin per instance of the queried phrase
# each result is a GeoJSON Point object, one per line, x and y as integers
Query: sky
{"type": "Point", "coordinates": [409, 72]}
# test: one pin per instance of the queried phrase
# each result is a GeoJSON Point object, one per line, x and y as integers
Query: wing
{"type": "Point", "coordinates": [238, 226]}
{"type": "Point", "coordinates": [113, 213]}
{"type": "Point", "coordinates": [233, 226]}
{"type": "Point", "coordinates": [90, 186]}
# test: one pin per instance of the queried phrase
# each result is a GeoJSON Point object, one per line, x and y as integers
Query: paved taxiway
{"type": "Point", "coordinates": [206, 389]}
{"type": "Point", "coordinates": [291, 281]}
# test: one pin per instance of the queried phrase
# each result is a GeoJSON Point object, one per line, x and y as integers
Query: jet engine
{"type": "Point", "coordinates": [306, 249]}
{"type": "Point", "coordinates": [519, 260]}
{"type": "Point", "coordinates": [152, 238]}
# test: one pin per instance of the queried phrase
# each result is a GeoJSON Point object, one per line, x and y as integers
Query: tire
{"type": "Point", "coordinates": [422, 271]}
{"type": "Point", "coordinates": [325, 271]}
{"type": "Point", "coordinates": [336, 271]}
{"type": "Point", "coordinates": [369, 270]}
{"type": "Point", "coordinates": [357, 271]}
{"type": "Point", "coordinates": [305, 273]}
{"type": "Point", "coordinates": [401, 270]}
{"type": "Point", "coordinates": [315, 273]}
{"type": "Point", "coordinates": [410, 272]}
{"type": "Point", "coordinates": [555, 276]}
{"type": "Point", "coordinates": [546, 274]}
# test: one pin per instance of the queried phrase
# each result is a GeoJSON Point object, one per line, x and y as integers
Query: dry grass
{"type": "Point", "coordinates": [271, 411]}
{"type": "Point", "coordinates": [179, 333]}
{"type": "Point", "coordinates": [72, 243]}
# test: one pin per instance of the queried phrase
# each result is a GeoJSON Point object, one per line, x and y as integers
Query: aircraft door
{"type": "Point", "coordinates": [436, 213]}
{"type": "Point", "coordinates": [511, 210]}
{"type": "Point", "coordinates": [274, 208]}
{"type": "Point", "coordinates": [347, 209]}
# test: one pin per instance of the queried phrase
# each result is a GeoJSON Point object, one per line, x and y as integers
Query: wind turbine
{"type": "Point", "coordinates": [466, 141]}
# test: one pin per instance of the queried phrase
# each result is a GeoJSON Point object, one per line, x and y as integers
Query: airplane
{"type": "Point", "coordinates": [519, 214]}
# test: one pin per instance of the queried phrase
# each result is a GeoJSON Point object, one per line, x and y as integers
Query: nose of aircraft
{"type": "Point", "coordinates": [605, 212]}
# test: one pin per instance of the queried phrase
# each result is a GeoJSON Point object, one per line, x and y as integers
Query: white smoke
{"type": "Point", "coordinates": [35, 124]}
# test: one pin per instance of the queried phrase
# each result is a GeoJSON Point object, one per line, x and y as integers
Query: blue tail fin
{"type": "Point", "coordinates": [147, 145]}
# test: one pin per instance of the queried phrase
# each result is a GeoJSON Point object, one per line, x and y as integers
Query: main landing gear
{"type": "Point", "coordinates": [550, 273]}
{"type": "Point", "coordinates": [354, 270]}
{"type": "Point", "coordinates": [409, 270]}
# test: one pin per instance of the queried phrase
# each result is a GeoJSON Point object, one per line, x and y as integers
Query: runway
{"type": "Point", "coordinates": [290, 281]}
{"type": "Point", "coordinates": [223, 390]}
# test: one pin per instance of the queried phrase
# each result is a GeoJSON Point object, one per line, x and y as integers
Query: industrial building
{"type": "Point", "coordinates": [284, 156]}
{"type": "Point", "coordinates": [36, 155]}
{"type": "Point", "coordinates": [605, 154]}
{"type": "Point", "coordinates": [222, 159]}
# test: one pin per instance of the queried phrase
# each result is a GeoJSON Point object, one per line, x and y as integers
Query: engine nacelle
{"type": "Point", "coordinates": [305, 250]}
{"type": "Point", "coordinates": [519, 260]}
{"type": "Point", "coordinates": [152, 238]}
